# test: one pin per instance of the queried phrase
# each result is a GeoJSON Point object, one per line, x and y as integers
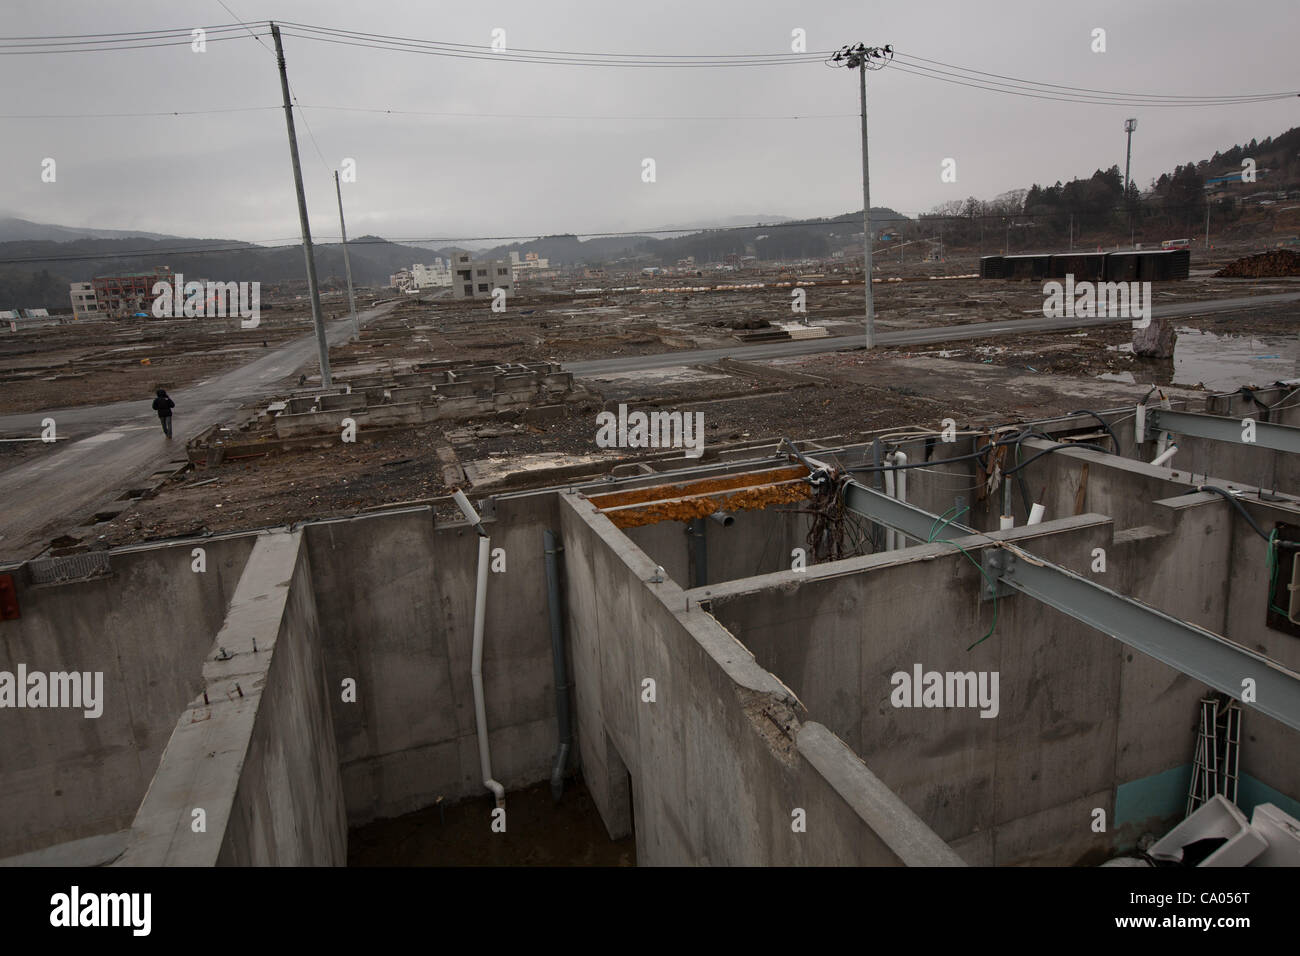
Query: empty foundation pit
{"type": "Point", "coordinates": [311, 690]}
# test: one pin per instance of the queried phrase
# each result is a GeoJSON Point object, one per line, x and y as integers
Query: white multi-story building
{"type": "Point", "coordinates": [84, 301]}
{"type": "Point", "coordinates": [432, 276]}
{"type": "Point", "coordinates": [477, 278]}
{"type": "Point", "coordinates": [530, 263]}
{"type": "Point", "coordinates": [402, 281]}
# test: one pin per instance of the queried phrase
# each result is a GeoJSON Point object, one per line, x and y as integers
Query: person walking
{"type": "Point", "coordinates": [163, 405]}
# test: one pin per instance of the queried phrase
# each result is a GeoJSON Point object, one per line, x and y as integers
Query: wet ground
{"type": "Point", "coordinates": [538, 832]}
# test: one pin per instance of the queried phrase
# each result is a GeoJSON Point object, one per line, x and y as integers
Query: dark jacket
{"type": "Point", "coordinates": [163, 405]}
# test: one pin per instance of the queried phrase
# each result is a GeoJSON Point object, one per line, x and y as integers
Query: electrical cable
{"type": "Point", "coordinates": [1232, 499]}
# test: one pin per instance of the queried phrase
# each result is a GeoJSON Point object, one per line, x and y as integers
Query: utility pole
{"type": "Point", "coordinates": [1207, 224]}
{"type": "Point", "coordinates": [1071, 232]}
{"type": "Point", "coordinates": [858, 57]}
{"type": "Point", "coordinates": [312, 288]}
{"type": "Point", "coordinates": [347, 262]}
{"type": "Point", "coordinates": [1129, 126]}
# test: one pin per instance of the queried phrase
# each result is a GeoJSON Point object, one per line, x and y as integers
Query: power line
{"type": "Point", "coordinates": [1035, 92]}
{"type": "Point", "coordinates": [43, 116]}
{"type": "Point", "coordinates": [1169, 96]}
{"type": "Point", "coordinates": [575, 116]}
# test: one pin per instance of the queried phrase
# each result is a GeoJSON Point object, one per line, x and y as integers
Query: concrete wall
{"type": "Point", "coordinates": [396, 600]}
{"type": "Point", "coordinates": [255, 751]}
{"type": "Point", "coordinates": [1015, 788]}
{"type": "Point", "coordinates": [757, 543]}
{"type": "Point", "coordinates": [147, 627]}
{"type": "Point", "coordinates": [716, 768]}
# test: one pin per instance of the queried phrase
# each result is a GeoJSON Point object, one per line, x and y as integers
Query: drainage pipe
{"type": "Point", "coordinates": [896, 487]}
{"type": "Point", "coordinates": [1165, 455]}
{"type": "Point", "coordinates": [900, 462]}
{"type": "Point", "coordinates": [553, 548]}
{"type": "Point", "coordinates": [1036, 514]}
{"type": "Point", "coordinates": [889, 492]}
{"type": "Point", "coordinates": [476, 668]}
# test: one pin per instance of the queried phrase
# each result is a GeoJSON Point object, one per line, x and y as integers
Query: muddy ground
{"type": "Point", "coordinates": [838, 393]}
{"type": "Point", "coordinates": [539, 832]}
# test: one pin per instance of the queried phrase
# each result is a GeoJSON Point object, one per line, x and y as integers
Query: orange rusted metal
{"type": "Point", "coordinates": [698, 499]}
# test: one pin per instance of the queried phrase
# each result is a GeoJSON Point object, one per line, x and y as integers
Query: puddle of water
{"type": "Point", "coordinates": [1224, 363]}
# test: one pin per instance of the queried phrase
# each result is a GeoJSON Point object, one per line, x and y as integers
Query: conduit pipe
{"type": "Point", "coordinates": [476, 668]}
{"type": "Point", "coordinates": [897, 488]}
{"type": "Point", "coordinates": [1036, 514]}
{"type": "Point", "coordinates": [1165, 455]}
{"type": "Point", "coordinates": [562, 716]}
{"type": "Point", "coordinates": [889, 491]}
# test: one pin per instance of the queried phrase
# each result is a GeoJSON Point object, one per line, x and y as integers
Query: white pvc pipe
{"type": "Point", "coordinates": [1165, 455]}
{"type": "Point", "coordinates": [1036, 514]}
{"type": "Point", "coordinates": [889, 490]}
{"type": "Point", "coordinates": [476, 667]}
{"type": "Point", "coordinates": [1006, 522]}
{"type": "Point", "coordinates": [900, 540]}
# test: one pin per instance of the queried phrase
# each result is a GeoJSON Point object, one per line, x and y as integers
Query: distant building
{"type": "Point", "coordinates": [126, 294]}
{"type": "Point", "coordinates": [84, 303]}
{"type": "Point", "coordinates": [531, 263]}
{"type": "Point", "coordinates": [476, 278]}
{"type": "Point", "coordinates": [402, 280]}
{"type": "Point", "coordinates": [437, 275]}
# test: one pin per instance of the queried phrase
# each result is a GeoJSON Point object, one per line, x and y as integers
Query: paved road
{"type": "Point", "coordinates": [950, 333]}
{"type": "Point", "coordinates": [105, 447]}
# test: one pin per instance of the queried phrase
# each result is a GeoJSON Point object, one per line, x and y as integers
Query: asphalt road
{"type": "Point", "coordinates": [105, 447]}
{"type": "Point", "coordinates": [949, 333]}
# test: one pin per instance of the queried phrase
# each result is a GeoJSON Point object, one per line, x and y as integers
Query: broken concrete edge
{"type": "Point", "coordinates": [202, 764]}
{"type": "Point", "coordinates": [905, 833]}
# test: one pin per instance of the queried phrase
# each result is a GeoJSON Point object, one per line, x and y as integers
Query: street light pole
{"type": "Point", "coordinates": [861, 58]}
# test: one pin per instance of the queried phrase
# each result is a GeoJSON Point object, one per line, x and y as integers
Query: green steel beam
{"type": "Point", "coordinates": [1203, 655]}
{"type": "Point", "coordinates": [1217, 428]}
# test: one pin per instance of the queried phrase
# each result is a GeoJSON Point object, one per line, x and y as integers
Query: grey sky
{"type": "Point", "coordinates": [228, 175]}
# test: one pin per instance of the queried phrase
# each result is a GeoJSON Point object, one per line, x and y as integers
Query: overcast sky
{"type": "Point", "coordinates": [227, 175]}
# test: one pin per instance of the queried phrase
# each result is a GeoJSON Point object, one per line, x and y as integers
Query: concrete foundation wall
{"type": "Point", "coordinates": [146, 626]}
{"type": "Point", "coordinates": [250, 774]}
{"type": "Point", "coordinates": [716, 769]}
{"type": "Point", "coordinates": [396, 600]}
{"type": "Point", "coordinates": [1015, 788]}
{"type": "Point", "coordinates": [757, 543]}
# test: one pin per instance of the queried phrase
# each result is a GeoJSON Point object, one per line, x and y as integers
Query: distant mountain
{"type": "Point", "coordinates": [15, 230]}
{"type": "Point", "coordinates": [36, 273]}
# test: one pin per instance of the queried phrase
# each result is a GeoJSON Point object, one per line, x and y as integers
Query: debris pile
{"type": "Point", "coordinates": [1277, 262]}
